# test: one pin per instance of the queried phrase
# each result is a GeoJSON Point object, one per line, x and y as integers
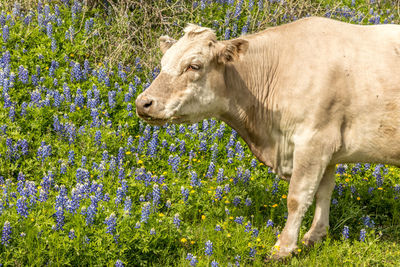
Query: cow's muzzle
{"type": "Point", "coordinates": [144, 105]}
{"type": "Point", "coordinates": [148, 109]}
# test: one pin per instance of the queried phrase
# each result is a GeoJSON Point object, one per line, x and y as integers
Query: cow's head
{"type": "Point", "coordinates": [191, 84]}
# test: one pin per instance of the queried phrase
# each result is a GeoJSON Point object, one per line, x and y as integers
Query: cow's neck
{"type": "Point", "coordinates": [249, 89]}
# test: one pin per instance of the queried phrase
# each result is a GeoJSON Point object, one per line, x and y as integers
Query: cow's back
{"type": "Point", "coordinates": [334, 73]}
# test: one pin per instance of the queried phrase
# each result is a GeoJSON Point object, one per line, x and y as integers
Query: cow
{"type": "Point", "coordinates": [304, 96]}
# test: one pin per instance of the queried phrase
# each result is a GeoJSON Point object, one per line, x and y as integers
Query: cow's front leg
{"type": "Point", "coordinates": [320, 223]}
{"type": "Point", "coordinates": [308, 169]}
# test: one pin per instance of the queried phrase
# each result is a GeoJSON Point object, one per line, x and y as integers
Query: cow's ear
{"type": "Point", "coordinates": [166, 42]}
{"type": "Point", "coordinates": [232, 50]}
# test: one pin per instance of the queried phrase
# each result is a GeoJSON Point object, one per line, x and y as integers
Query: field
{"type": "Point", "coordinates": [83, 181]}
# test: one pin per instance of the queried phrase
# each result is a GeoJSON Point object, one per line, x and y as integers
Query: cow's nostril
{"type": "Point", "coordinates": [148, 104]}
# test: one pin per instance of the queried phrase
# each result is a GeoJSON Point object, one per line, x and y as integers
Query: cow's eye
{"type": "Point", "coordinates": [192, 67]}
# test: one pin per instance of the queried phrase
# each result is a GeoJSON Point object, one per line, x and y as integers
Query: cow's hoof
{"type": "Point", "coordinates": [281, 253]}
{"type": "Point", "coordinates": [309, 240]}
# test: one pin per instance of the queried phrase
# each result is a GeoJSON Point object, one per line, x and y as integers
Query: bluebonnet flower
{"type": "Point", "coordinates": [137, 225]}
{"type": "Point", "coordinates": [236, 200]}
{"type": "Point", "coordinates": [128, 205]}
{"type": "Point", "coordinates": [362, 235]}
{"type": "Point", "coordinates": [182, 146]}
{"type": "Point", "coordinates": [193, 261]}
{"type": "Point", "coordinates": [168, 203]}
{"type": "Point", "coordinates": [239, 150]}
{"type": "Point", "coordinates": [71, 157]}
{"type": "Point", "coordinates": [111, 98]}
{"type": "Point", "coordinates": [6, 33]}
{"type": "Point", "coordinates": [119, 263]}
{"type": "Point", "coordinates": [194, 180]}
{"type": "Point", "coordinates": [189, 256]}
{"type": "Point", "coordinates": [270, 223]}
{"type": "Point", "coordinates": [248, 202]}
{"type": "Point", "coordinates": [152, 231]}
{"type": "Point", "coordinates": [341, 169]}
{"type": "Point", "coordinates": [203, 145]}
{"type": "Point", "coordinates": [220, 175]}
{"type": "Point", "coordinates": [152, 146]}
{"type": "Point", "coordinates": [247, 227]}
{"type": "Point", "coordinates": [211, 170]}
{"type": "Point", "coordinates": [111, 222]}
{"type": "Point", "coordinates": [76, 72]}
{"type": "Point", "coordinates": [59, 218]}
{"type": "Point", "coordinates": [11, 114]}
{"type": "Point", "coordinates": [253, 163]}
{"type": "Point", "coordinates": [239, 220]}
{"type": "Point", "coordinates": [53, 47]}
{"type": "Point", "coordinates": [237, 258]}
{"type": "Point", "coordinates": [275, 186]}
{"type": "Point", "coordinates": [218, 193]}
{"type": "Point", "coordinates": [138, 66]}
{"type": "Point", "coordinates": [23, 75]}
{"type": "Point", "coordinates": [214, 263]}
{"type": "Point", "coordinates": [156, 196]}
{"type": "Point", "coordinates": [49, 29]}
{"type": "Point", "coordinates": [252, 252]}
{"type": "Point", "coordinates": [227, 33]}
{"type": "Point", "coordinates": [67, 92]}
{"type": "Point", "coordinates": [71, 234]}
{"type": "Point", "coordinates": [145, 212]}
{"type": "Point", "coordinates": [22, 208]}
{"type": "Point", "coordinates": [43, 195]}
{"type": "Point", "coordinates": [121, 173]}
{"type": "Point", "coordinates": [370, 189]}
{"type": "Point", "coordinates": [91, 210]}
{"type": "Point", "coordinates": [6, 233]}
{"type": "Point", "coordinates": [174, 161]}
{"type": "Point", "coordinates": [255, 232]}
{"type": "Point", "coordinates": [246, 26]}
{"type": "Point", "coordinates": [97, 138]}
{"type": "Point", "coordinates": [79, 98]}
{"type": "Point", "coordinates": [345, 232]}
{"type": "Point", "coordinates": [367, 221]}
{"type": "Point", "coordinates": [172, 148]}
{"type": "Point", "coordinates": [208, 248]}
{"type": "Point", "coordinates": [185, 193]}
{"type": "Point", "coordinates": [335, 201]}
{"type": "Point", "coordinates": [119, 196]}
{"type": "Point", "coordinates": [177, 221]}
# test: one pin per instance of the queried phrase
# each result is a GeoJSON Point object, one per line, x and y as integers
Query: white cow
{"type": "Point", "coordinates": [304, 96]}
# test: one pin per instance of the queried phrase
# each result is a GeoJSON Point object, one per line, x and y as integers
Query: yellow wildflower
{"type": "Point", "coordinates": [183, 240]}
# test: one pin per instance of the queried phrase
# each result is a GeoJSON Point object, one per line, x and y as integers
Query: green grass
{"type": "Point", "coordinates": [125, 33]}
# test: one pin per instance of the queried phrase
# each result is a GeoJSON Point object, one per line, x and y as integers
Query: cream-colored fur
{"type": "Point", "coordinates": [304, 96]}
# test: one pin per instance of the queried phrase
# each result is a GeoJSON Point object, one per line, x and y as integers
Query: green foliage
{"type": "Point", "coordinates": [122, 44]}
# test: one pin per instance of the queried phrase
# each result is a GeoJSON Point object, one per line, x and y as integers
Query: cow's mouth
{"type": "Point", "coordinates": [161, 121]}
{"type": "Point", "coordinates": [154, 121]}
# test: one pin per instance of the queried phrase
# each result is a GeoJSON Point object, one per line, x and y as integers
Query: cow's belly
{"type": "Point", "coordinates": [374, 141]}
